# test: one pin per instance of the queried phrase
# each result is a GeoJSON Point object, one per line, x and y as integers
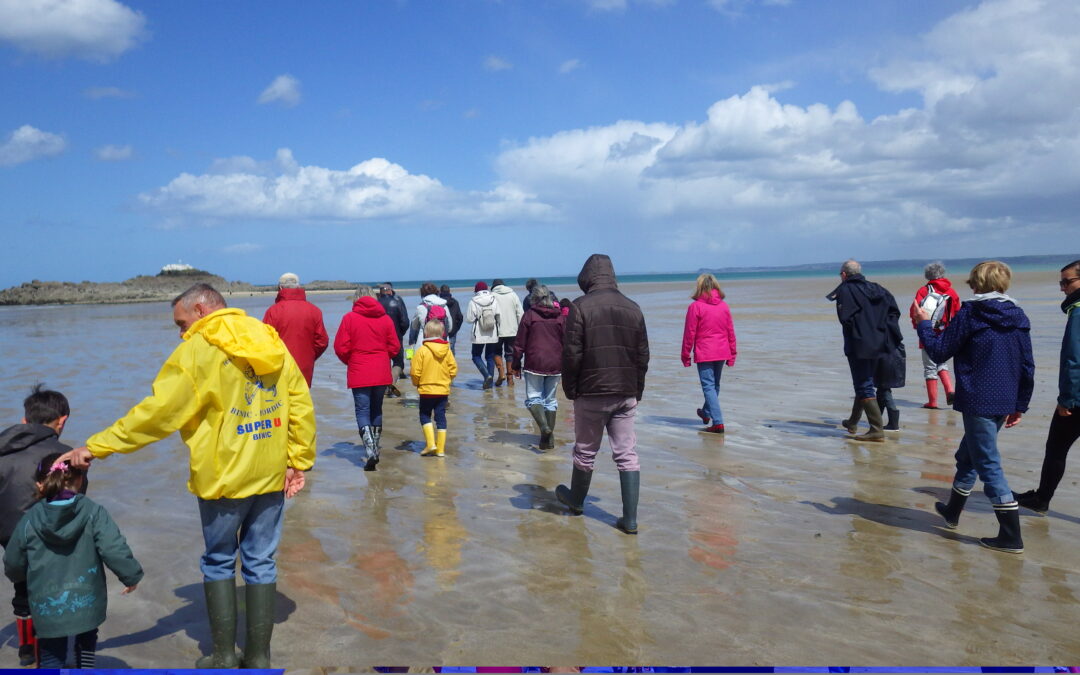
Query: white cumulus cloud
{"type": "Point", "coordinates": [569, 66]}
{"type": "Point", "coordinates": [27, 143]}
{"type": "Point", "coordinates": [497, 63]}
{"type": "Point", "coordinates": [285, 89]}
{"type": "Point", "coordinates": [114, 153]}
{"type": "Point", "coordinates": [92, 29]}
{"type": "Point", "coordinates": [96, 93]}
{"type": "Point", "coordinates": [242, 187]}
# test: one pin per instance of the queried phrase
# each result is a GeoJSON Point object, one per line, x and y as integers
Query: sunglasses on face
{"type": "Point", "coordinates": [1065, 282]}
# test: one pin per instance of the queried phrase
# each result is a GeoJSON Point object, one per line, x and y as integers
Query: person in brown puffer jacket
{"type": "Point", "coordinates": [605, 358]}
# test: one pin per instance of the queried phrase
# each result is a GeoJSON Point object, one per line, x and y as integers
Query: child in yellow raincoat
{"type": "Point", "coordinates": [433, 370]}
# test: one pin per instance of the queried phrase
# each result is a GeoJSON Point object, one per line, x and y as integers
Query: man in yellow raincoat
{"type": "Point", "coordinates": [242, 406]}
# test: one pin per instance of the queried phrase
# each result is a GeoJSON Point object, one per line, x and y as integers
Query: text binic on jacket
{"type": "Point", "coordinates": [606, 347]}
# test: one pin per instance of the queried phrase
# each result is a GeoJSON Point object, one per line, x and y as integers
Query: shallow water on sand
{"type": "Point", "coordinates": [780, 543]}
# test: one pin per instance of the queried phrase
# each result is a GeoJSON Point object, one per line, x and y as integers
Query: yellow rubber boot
{"type": "Point", "coordinates": [440, 443]}
{"type": "Point", "coordinates": [429, 439]}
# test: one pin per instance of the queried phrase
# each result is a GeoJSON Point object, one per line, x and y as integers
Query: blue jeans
{"type": "Point", "coordinates": [978, 456]}
{"type": "Point", "coordinates": [436, 405]}
{"type": "Point", "coordinates": [540, 389]}
{"type": "Point", "coordinates": [709, 375]}
{"type": "Point", "coordinates": [252, 525]}
{"type": "Point", "coordinates": [862, 377]}
{"type": "Point", "coordinates": [488, 351]}
{"type": "Point", "coordinates": [368, 404]}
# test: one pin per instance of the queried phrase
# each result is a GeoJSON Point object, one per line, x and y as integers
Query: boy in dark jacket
{"type": "Point", "coordinates": [22, 447]}
{"type": "Point", "coordinates": [990, 340]}
{"type": "Point", "coordinates": [57, 550]}
{"type": "Point", "coordinates": [604, 360]}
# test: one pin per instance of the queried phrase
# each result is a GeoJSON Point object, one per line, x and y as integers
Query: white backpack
{"type": "Point", "coordinates": [938, 306]}
{"type": "Point", "coordinates": [486, 320]}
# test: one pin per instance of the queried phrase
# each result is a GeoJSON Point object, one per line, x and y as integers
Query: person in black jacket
{"type": "Point", "coordinates": [454, 310]}
{"type": "Point", "coordinates": [604, 360]}
{"type": "Point", "coordinates": [869, 317]}
{"type": "Point", "coordinates": [399, 314]}
{"type": "Point", "coordinates": [22, 447]}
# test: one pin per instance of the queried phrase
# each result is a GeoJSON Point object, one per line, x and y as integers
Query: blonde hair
{"type": "Point", "coordinates": [990, 275]}
{"type": "Point", "coordinates": [434, 328]}
{"type": "Point", "coordinates": [705, 283]}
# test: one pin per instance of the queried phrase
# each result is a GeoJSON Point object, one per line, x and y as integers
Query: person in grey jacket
{"type": "Point", "coordinates": [22, 447]}
{"type": "Point", "coordinates": [1065, 423]}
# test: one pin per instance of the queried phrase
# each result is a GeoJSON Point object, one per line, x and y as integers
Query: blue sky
{"type": "Point", "coordinates": [376, 139]}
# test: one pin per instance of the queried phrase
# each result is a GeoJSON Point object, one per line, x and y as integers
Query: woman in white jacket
{"type": "Point", "coordinates": [483, 314]}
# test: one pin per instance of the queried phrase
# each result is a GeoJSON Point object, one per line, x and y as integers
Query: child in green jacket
{"type": "Point", "coordinates": [58, 549]}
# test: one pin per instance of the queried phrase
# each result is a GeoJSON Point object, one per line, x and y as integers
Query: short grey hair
{"type": "Point", "coordinates": [934, 270]}
{"type": "Point", "coordinates": [204, 294]}
{"type": "Point", "coordinates": [851, 266]}
{"type": "Point", "coordinates": [539, 296]}
{"type": "Point", "coordinates": [289, 280]}
{"type": "Point", "coordinates": [363, 291]}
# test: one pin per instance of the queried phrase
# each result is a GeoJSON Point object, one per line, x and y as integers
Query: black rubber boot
{"type": "Point", "coordinates": [551, 416]}
{"type": "Point", "coordinates": [852, 422]}
{"type": "Point", "coordinates": [951, 511]}
{"type": "Point", "coordinates": [1008, 539]}
{"type": "Point", "coordinates": [876, 434]}
{"type": "Point", "coordinates": [894, 419]}
{"type": "Point", "coordinates": [629, 483]}
{"type": "Point", "coordinates": [537, 412]}
{"type": "Point", "coordinates": [221, 608]}
{"type": "Point", "coordinates": [574, 496]}
{"type": "Point", "coordinates": [260, 624]}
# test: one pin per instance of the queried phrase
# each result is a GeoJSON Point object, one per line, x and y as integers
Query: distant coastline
{"type": "Point", "coordinates": [167, 284]}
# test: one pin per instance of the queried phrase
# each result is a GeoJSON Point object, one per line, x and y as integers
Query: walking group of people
{"type": "Point", "coordinates": [988, 338]}
{"type": "Point", "coordinates": [237, 391]}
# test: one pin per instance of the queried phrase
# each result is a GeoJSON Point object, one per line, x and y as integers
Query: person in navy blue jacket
{"type": "Point", "coordinates": [1065, 423]}
{"type": "Point", "coordinates": [990, 342]}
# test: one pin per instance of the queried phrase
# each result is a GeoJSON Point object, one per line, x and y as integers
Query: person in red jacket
{"type": "Point", "coordinates": [366, 341]}
{"type": "Point", "coordinates": [299, 323]}
{"type": "Point", "coordinates": [945, 297]}
{"type": "Point", "coordinates": [710, 334]}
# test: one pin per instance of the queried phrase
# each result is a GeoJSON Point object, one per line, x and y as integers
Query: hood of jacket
{"type": "Point", "coordinates": [941, 285]}
{"type": "Point", "coordinates": [369, 307]}
{"type": "Point", "coordinates": [62, 524]}
{"type": "Point", "coordinates": [446, 296]}
{"type": "Point", "coordinates": [21, 436]}
{"type": "Point", "coordinates": [997, 314]}
{"type": "Point", "coordinates": [713, 298]}
{"type": "Point", "coordinates": [1070, 301]}
{"type": "Point", "coordinates": [433, 299]}
{"type": "Point", "coordinates": [502, 289]}
{"type": "Point", "coordinates": [858, 284]}
{"type": "Point", "coordinates": [597, 273]}
{"type": "Point", "coordinates": [235, 333]}
{"type": "Point", "coordinates": [483, 298]}
{"type": "Point", "coordinates": [546, 312]}
{"type": "Point", "coordinates": [439, 347]}
{"type": "Point", "coordinates": [290, 294]}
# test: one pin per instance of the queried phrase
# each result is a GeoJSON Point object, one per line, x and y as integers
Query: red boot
{"type": "Point", "coordinates": [931, 394]}
{"type": "Point", "coordinates": [946, 382]}
{"type": "Point", "coordinates": [24, 626]}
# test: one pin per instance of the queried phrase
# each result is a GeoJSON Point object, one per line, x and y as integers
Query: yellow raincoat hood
{"type": "Point", "coordinates": [433, 368]}
{"type": "Point", "coordinates": [239, 401]}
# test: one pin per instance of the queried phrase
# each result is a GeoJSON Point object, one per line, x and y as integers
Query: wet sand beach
{"type": "Point", "coordinates": [779, 543]}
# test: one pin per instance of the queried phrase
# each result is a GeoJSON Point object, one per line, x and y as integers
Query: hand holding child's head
{"type": "Point", "coordinates": [57, 478]}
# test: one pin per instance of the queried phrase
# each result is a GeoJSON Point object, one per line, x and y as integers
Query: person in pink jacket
{"type": "Point", "coordinates": [710, 334]}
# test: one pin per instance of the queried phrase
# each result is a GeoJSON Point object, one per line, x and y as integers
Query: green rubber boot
{"type": "Point", "coordinates": [539, 415]}
{"type": "Point", "coordinates": [551, 415]}
{"type": "Point", "coordinates": [221, 608]}
{"type": "Point", "coordinates": [574, 496]}
{"type": "Point", "coordinates": [630, 483]}
{"type": "Point", "coordinates": [260, 624]}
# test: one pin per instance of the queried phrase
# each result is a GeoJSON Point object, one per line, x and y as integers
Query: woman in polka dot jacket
{"type": "Point", "coordinates": [990, 342]}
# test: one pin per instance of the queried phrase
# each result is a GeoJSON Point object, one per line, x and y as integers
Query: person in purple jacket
{"type": "Point", "coordinates": [539, 344]}
{"type": "Point", "coordinates": [710, 334]}
{"type": "Point", "coordinates": [990, 340]}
